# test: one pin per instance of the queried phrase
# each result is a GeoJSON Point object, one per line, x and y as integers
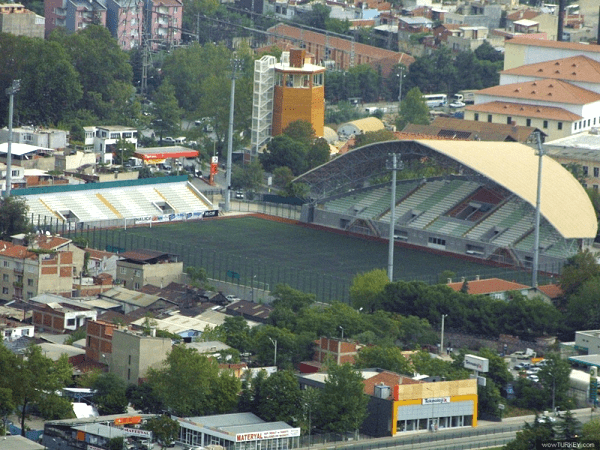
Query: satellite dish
{"type": "Point", "coordinates": [48, 233]}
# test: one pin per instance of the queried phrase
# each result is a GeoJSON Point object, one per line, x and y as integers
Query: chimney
{"type": "Point", "coordinates": [449, 280]}
{"type": "Point", "coordinates": [462, 279]}
{"type": "Point", "coordinates": [476, 277]}
{"type": "Point", "coordinates": [153, 331]}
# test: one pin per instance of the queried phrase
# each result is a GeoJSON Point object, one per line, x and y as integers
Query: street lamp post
{"type": "Point", "coordinates": [236, 66]}
{"type": "Point", "coordinates": [11, 91]}
{"type": "Point", "coordinates": [342, 328]}
{"type": "Point", "coordinates": [394, 165]}
{"type": "Point", "coordinates": [442, 338]}
{"type": "Point", "coordinates": [274, 342]}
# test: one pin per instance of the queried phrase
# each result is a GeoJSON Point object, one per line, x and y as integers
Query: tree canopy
{"type": "Point", "coordinates": [14, 217]}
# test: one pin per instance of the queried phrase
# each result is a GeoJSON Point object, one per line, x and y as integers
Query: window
{"type": "Point", "coordinates": [489, 118]}
{"type": "Point", "coordinates": [115, 136]}
{"type": "Point", "coordinates": [584, 185]}
{"type": "Point", "coordinates": [5, 290]}
{"type": "Point", "coordinates": [29, 282]}
{"type": "Point", "coordinates": [123, 270]}
{"type": "Point", "coordinates": [437, 241]}
{"type": "Point", "coordinates": [129, 359]}
{"type": "Point", "coordinates": [596, 171]}
{"type": "Point", "coordinates": [128, 374]}
{"type": "Point", "coordinates": [26, 332]}
{"type": "Point", "coordinates": [137, 273]}
{"type": "Point", "coordinates": [585, 170]}
{"type": "Point", "coordinates": [508, 120]}
{"type": "Point", "coordinates": [528, 122]}
{"type": "Point", "coordinates": [559, 126]}
{"type": "Point", "coordinates": [29, 294]}
{"type": "Point", "coordinates": [317, 79]}
{"type": "Point", "coordinates": [5, 277]}
{"type": "Point", "coordinates": [476, 117]}
{"type": "Point", "coordinates": [279, 79]}
{"type": "Point", "coordinates": [5, 263]}
{"type": "Point", "coordinates": [136, 286]}
{"type": "Point", "coordinates": [70, 322]}
{"type": "Point", "coordinates": [595, 187]}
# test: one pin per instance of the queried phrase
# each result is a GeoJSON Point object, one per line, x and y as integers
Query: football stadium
{"type": "Point", "coordinates": [481, 206]}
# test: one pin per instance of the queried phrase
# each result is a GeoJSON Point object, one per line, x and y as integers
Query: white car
{"type": "Point", "coordinates": [457, 105]}
{"type": "Point", "coordinates": [533, 378]}
{"type": "Point", "coordinates": [232, 298]}
{"type": "Point", "coordinates": [169, 140]}
{"type": "Point", "coordinates": [533, 370]}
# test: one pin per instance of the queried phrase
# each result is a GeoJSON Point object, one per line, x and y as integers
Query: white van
{"type": "Point", "coordinates": [180, 140]}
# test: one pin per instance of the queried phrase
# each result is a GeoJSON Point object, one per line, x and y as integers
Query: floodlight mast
{"type": "Point", "coordinates": [536, 239]}
{"type": "Point", "coordinates": [394, 165]}
{"type": "Point", "coordinates": [236, 66]}
{"type": "Point", "coordinates": [11, 91]}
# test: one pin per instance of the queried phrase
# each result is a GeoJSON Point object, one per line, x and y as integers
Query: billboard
{"type": "Point", "coordinates": [477, 363]}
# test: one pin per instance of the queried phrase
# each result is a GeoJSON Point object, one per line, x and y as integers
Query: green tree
{"type": "Point", "coordinates": [107, 87]}
{"type": "Point", "coordinates": [585, 299]}
{"type": "Point", "coordinates": [166, 110]}
{"type": "Point", "coordinates": [342, 403]}
{"type": "Point", "coordinates": [301, 131]}
{"type": "Point", "coordinates": [389, 358]}
{"type": "Point", "coordinates": [237, 333]}
{"type": "Point", "coordinates": [116, 443]}
{"type": "Point", "coordinates": [36, 380]}
{"type": "Point", "coordinates": [554, 379]}
{"type": "Point", "coordinates": [190, 384]}
{"type": "Point", "coordinates": [282, 177]}
{"type": "Point", "coordinates": [280, 400]}
{"type": "Point", "coordinates": [6, 407]}
{"type": "Point", "coordinates": [283, 151]}
{"type": "Point", "coordinates": [530, 435]}
{"type": "Point", "coordinates": [578, 269]}
{"type": "Point", "coordinates": [413, 109]}
{"type": "Point", "coordinates": [249, 176]}
{"type": "Point", "coordinates": [143, 398]}
{"type": "Point", "coordinates": [109, 396]}
{"type": "Point", "coordinates": [590, 431]}
{"type": "Point", "coordinates": [317, 154]}
{"type": "Point", "coordinates": [366, 289]}
{"type": "Point", "coordinates": [122, 151]}
{"type": "Point", "coordinates": [14, 217]}
{"type": "Point", "coordinates": [488, 53]}
{"type": "Point", "coordinates": [164, 429]}
{"type": "Point", "coordinates": [568, 426]}
{"type": "Point", "coordinates": [370, 137]}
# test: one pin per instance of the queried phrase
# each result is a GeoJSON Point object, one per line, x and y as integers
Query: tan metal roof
{"type": "Point", "coordinates": [368, 124]}
{"type": "Point", "coordinates": [564, 202]}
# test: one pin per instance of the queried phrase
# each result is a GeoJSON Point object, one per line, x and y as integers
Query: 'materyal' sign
{"type": "Point", "coordinates": [272, 434]}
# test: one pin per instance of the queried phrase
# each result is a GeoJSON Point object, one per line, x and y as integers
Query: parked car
{"type": "Point", "coordinates": [545, 419]}
{"type": "Point", "coordinates": [169, 140]}
{"type": "Point", "coordinates": [533, 378]}
{"type": "Point", "coordinates": [457, 105]}
{"type": "Point", "coordinates": [534, 370]}
{"type": "Point", "coordinates": [239, 195]}
{"type": "Point", "coordinates": [232, 298]}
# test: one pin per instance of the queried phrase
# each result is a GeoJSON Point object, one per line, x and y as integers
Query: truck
{"type": "Point", "coordinates": [468, 96]}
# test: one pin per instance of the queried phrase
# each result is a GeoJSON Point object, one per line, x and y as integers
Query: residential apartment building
{"type": "Point", "coordinates": [467, 39]}
{"type": "Point", "coordinates": [102, 140]}
{"type": "Point", "coordinates": [333, 52]}
{"type": "Point", "coordinates": [165, 19]}
{"type": "Point", "coordinates": [38, 136]}
{"type": "Point", "coordinates": [334, 350]}
{"type": "Point", "coordinates": [11, 330]}
{"type": "Point", "coordinates": [527, 20]}
{"type": "Point", "coordinates": [133, 354]}
{"type": "Point", "coordinates": [476, 14]}
{"type": "Point", "coordinates": [25, 273]}
{"type": "Point", "coordinates": [140, 267]}
{"type": "Point", "coordinates": [98, 342]}
{"type": "Point", "coordinates": [124, 20]}
{"type": "Point", "coordinates": [73, 15]}
{"type": "Point", "coordinates": [61, 317]}
{"type": "Point", "coordinates": [18, 20]}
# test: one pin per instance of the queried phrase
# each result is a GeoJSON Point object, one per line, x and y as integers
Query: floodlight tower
{"type": "Point", "coordinates": [11, 91]}
{"type": "Point", "coordinates": [236, 66]}
{"type": "Point", "coordinates": [394, 165]}
{"type": "Point", "coordinates": [536, 238]}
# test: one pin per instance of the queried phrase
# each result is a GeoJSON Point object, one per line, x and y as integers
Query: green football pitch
{"type": "Point", "coordinates": [263, 253]}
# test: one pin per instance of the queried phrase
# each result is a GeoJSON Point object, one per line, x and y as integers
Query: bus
{"type": "Point", "coordinates": [435, 100]}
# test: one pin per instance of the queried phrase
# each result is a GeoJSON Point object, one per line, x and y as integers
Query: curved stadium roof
{"type": "Point", "coordinates": [514, 166]}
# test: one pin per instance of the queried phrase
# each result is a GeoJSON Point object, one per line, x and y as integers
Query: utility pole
{"type": "Point", "coordinates": [11, 91]}
{"type": "Point", "coordinates": [536, 238]}
{"type": "Point", "coordinates": [274, 342]}
{"type": "Point", "coordinates": [236, 66]}
{"type": "Point", "coordinates": [442, 339]}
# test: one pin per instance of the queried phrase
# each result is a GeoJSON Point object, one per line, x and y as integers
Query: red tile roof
{"type": "Point", "coordinates": [489, 286]}
{"type": "Point", "coordinates": [523, 110]}
{"type": "Point", "coordinates": [551, 290]}
{"type": "Point", "coordinates": [50, 242]}
{"type": "Point", "coordinates": [528, 14]}
{"type": "Point", "coordinates": [545, 90]}
{"type": "Point", "coordinates": [575, 68]}
{"type": "Point", "coordinates": [386, 378]}
{"type": "Point", "coordinates": [15, 251]}
{"type": "Point", "coordinates": [524, 40]}
{"type": "Point", "coordinates": [99, 254]}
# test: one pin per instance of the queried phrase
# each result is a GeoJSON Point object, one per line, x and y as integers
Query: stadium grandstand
{"type": "Point", "coordinates": [480, 203]}
{"type": "Point", "coordinates": [108, 204]}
